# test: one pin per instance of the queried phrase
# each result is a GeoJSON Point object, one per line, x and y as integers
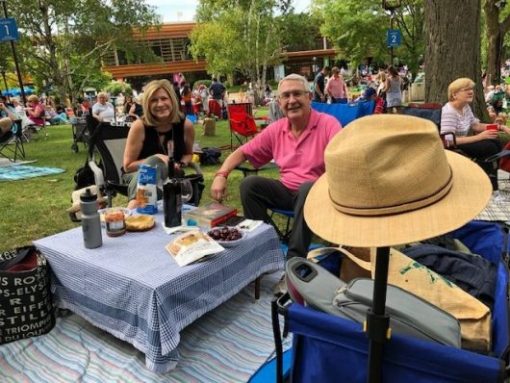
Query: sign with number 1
{"type": "Point", "coordinates": [8, 30]}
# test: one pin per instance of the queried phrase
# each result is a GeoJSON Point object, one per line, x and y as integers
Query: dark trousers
{"type": "Point", "coordinates": [259, 194]}
{"type": "Point", "coordinates": [342, 100]}
{"type": "Point", "coordinates": [480, 150]}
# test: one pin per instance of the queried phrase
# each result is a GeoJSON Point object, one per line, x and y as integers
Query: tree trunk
{"type": "Point", "coordinates": [453, 49]}
{"type": "Point", "coordinates": [495, 36]}
{"type": "Point", "coordinates": [57, 79]}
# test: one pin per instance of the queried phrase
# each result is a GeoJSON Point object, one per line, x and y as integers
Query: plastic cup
{"type": "Point", "coordinates": [492, 127]}
{"type": "Point", "coordinates": [115, 222]}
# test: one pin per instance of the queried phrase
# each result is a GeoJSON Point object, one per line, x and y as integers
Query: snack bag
{"type": "Point", "coordinates": [191, 246]}
{"type": "Point", "coordinates": [146, 191]}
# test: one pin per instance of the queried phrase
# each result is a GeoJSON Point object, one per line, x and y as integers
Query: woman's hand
{"type": "Point", "coordinates": [488, 135]}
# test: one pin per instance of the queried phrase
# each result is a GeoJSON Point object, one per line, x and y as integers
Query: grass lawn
{"type": "Point", "coordinates": [35, 208]}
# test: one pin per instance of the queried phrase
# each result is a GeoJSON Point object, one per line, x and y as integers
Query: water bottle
{"type": "Point", "coordinates": [90, 222]}
{"type": "Point", "coordinates": [172, 203]}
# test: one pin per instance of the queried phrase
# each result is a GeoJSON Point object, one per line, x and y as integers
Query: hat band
{"type": "Point", "coordinates": [396, 209]}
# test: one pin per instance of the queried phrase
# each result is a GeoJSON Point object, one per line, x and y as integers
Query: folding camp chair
{"type": "Point", "coordinates": [432, 112]}
{"type": "Point", "coordinates": [241, 122]}
{"type": "Point", "coordinates": [11, 143]}
{"type": "Point", "coordinates": [428, 111]}
{"type": "Point", "coordinates": [345, 113]}
{"type": "Point", "coordinates": [105, 158]}
{"type": "Point", "coordinates": [80, 132]}
{"type": "Point", "coordinates": [287, 216]}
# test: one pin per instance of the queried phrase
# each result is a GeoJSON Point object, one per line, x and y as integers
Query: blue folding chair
{"type": "Point", "coordinates": [288, 215]}
{"type": "Point", "coordinates": [345, 113]}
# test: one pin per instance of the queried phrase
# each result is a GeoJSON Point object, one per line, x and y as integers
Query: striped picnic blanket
{"type": "Point", "coordinates": [227, 344]}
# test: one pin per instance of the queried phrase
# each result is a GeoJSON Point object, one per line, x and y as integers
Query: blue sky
{"type": "Point", "coordinates": [184, 10]}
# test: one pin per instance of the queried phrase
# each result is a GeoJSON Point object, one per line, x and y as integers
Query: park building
{"type": "Point", "coordinates": [171, 41]}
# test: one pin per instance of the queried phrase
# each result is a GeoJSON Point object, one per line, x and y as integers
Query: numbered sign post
{"type": "Point", "coordinates": [8, 30]}
{"type": "Point", "coordinates": [393, 38]}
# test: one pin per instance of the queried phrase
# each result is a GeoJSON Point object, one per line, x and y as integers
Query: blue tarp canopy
{"type": "Point", "coordinates": [17, 91]}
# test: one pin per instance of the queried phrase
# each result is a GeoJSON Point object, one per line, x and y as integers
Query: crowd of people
{"type": "Point", "coordinates": [386, 88]}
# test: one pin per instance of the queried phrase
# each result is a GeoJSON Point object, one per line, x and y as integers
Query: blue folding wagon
{"type": "Point", "coordinates": [327, 348]}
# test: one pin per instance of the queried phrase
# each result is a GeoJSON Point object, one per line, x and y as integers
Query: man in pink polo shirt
{"type": "Point", "coordinates": [336, 87]}
{"type": "Point", "coordinates": [296, 143]}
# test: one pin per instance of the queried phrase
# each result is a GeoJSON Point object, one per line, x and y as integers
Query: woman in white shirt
{"type": "Point", "coordinates": [471, 135]}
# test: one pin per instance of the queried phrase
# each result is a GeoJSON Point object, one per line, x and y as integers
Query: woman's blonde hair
{"type": "Point", "coordinates": [103, 94]}
{"type": "Point", "coordinates": [457, 85]}
{"type": "Point", "coordinates": [33, 98]}
{"type": "Point", "coordinates": [149, 90]}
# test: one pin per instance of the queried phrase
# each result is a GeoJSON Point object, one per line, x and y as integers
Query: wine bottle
{"type": "Point", "coordinates": [172, 203]}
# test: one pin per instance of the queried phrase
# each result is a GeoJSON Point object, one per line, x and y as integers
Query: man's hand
{"type": "Point", "coordinates": [219, 188]}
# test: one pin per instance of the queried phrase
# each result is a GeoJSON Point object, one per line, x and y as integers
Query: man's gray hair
{"type": "Point", "coordinates": [295, 77]}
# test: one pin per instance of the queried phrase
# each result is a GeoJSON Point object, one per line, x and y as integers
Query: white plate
{"type": "Point", "coordinates": [229, 243]}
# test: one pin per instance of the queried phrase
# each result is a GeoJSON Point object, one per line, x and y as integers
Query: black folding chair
{"type": "Point", "coordinates": [105, 158]}
{"type": "Point", "coordinates": [11, 143]}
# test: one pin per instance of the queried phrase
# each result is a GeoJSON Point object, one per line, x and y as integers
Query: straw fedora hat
{"type": "Point", "coordinates": [389, 181]}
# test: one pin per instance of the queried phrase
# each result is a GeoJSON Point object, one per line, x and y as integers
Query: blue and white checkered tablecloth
{"type": "Point", "coordinates": [132, 288]}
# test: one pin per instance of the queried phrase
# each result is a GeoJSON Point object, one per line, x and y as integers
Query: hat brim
{"type": "Point", "coordinates": [468, 196]}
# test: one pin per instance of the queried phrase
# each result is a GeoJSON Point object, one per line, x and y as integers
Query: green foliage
{"type": "Point", "coordinates": [72, 37]}
{"type": "Point", "coordinates": [358, 29]}
{"type": "Point", "coordinates": [116, 87]}
{"type": "Point", "coordinates": [300, 31]}
{"type": "Point", "coordinates": [244, 36]}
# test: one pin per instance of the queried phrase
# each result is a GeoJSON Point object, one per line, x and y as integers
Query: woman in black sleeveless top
{"type": "Point", "coordinates": [162, 132]}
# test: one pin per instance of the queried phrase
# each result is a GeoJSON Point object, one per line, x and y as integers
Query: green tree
{"type": "Point", "coordinates": [357, 28]}
{"type": "Point", "coordinates": [497, 25]}
{"type": "Point", "coordinates": [241, 35]}
{"type": "Point", "coordinates": [64, 41]}
{"type": "Point", "coordinates": [300, 31]}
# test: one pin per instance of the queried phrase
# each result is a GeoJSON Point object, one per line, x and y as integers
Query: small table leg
{"type": "Point", "coordinates": [257, 288]}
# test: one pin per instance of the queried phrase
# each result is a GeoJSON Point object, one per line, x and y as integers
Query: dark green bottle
{"type": "Point", "coordinates": [172, 204]}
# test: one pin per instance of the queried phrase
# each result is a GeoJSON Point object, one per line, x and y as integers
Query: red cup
{"type": "Point", "coordinates": [491, 127]}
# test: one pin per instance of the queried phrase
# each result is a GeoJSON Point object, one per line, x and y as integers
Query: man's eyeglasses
{"type": "Point", "coordinates": [285, 96]}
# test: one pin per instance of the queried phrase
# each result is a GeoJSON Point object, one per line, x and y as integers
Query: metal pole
{"type": "Point", "coordinates": [391, 27]}
{"type": "Point", "coordinates": [377, 319]}
{"type": "Point", "coordinates": [18, 72]}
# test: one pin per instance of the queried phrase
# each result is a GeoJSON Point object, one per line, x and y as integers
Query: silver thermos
{"type": "Point", "coordinates": [90, 222]}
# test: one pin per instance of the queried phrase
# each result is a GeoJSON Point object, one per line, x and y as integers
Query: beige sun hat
{"type": "Point", "coordinates": [389, 181]}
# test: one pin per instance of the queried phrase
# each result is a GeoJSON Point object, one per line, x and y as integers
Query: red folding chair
{"type": "Point", "coordinates": [242, 124]}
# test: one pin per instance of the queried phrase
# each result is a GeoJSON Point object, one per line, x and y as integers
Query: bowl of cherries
{"type": "Point", "coordinates": [226, 236]}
